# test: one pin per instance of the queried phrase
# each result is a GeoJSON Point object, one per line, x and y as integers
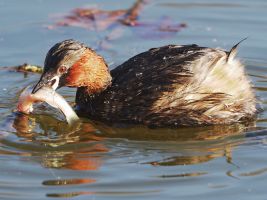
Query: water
{"type": "Point", "coordinates": [41, 158]}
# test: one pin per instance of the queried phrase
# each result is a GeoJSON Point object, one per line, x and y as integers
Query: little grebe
{"type": "Point", "coordinates": [173, 85]}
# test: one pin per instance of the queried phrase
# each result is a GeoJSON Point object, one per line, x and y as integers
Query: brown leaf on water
{"type": "Point", "coordinates": [133, 13]}
{"type": "Point", "coordinates": [92, 19]}
{"type": "Point", "coordinates": [115, 21]}
{"type": "Point", "coordinates": [164, 27]}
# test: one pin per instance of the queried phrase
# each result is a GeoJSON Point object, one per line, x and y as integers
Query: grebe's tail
{"type": "Point", "coordinates": [232, 53]}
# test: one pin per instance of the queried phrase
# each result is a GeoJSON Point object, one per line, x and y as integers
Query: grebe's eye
{"type": "Point", "coordinates": [62, 69]}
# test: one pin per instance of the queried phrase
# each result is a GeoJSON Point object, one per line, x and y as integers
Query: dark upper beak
{"type": "Point", "coordinates": [46, 80]}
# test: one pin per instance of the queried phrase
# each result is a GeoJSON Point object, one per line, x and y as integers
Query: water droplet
{"type": "Point", "coordinates": [208, 28]}
{"type": "Point", "coordinates": [138, 75]}
{"type": "Point", "coordinates": [128, 99]}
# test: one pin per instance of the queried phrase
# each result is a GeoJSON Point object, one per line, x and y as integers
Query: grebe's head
{"type": "Point", "coordinates": [71, 63]}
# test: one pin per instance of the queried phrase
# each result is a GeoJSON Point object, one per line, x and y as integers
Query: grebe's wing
{"type": "Point", "coordinates": [178, 85]}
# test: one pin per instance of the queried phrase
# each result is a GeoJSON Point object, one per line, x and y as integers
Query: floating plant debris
{"type": "Point", "coordinates": [94, 19]}
{"type": "Point", "coordinates": [25, 68]}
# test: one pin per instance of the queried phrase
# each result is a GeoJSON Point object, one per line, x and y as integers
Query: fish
{"type": "Point", "coordinates": [48, 95]}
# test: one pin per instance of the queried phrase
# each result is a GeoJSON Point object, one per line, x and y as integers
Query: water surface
{"type": "Point", "coordinates": [41, 158]}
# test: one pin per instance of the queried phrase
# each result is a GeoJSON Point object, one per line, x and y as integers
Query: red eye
{"type": "Point", "coordinates": [62, 69]}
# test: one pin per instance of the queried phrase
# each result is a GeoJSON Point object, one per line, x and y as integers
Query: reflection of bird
{"type": "Point", "coordinates": [168, 86]}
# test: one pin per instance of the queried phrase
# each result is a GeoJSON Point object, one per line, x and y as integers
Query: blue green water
{"type": "Point", "coordinates": [41, 158]}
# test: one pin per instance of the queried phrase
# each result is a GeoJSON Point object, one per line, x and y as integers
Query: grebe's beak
{"type": "Point", "coordinates": [47, 80]}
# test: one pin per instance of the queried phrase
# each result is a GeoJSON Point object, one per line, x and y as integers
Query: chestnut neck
{"type": "Point", "coordinates": [90, 72]}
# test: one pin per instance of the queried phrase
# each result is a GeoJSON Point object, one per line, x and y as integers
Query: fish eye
{"type": "Point", "coordinates": [53, 82]}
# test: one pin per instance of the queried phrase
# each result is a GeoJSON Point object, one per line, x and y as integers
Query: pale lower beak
{"type": "Point", "coordinates": [47, 80]}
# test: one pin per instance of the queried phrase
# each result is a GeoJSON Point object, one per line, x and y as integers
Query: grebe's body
{"type": "Point", "coordinates": [166, 86]}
